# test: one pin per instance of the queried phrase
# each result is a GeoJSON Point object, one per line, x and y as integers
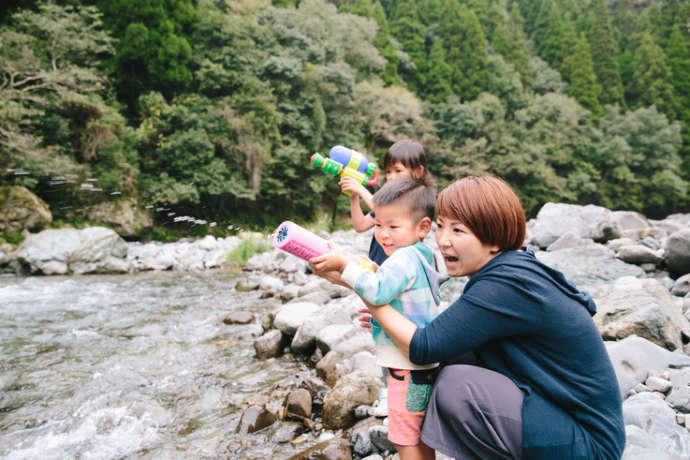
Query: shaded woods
{"type": "Point", "coordinates": [213, 108]}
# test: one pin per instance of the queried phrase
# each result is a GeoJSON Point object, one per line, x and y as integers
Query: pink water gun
{"type": "Point", "coordinates": [300, 242]}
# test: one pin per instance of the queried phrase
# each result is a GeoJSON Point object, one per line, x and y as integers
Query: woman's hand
{"type": "Point", "coordinates": [365, 319]}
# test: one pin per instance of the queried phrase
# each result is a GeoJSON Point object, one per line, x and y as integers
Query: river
{"type": "Point", "coordinates": [131, 366]}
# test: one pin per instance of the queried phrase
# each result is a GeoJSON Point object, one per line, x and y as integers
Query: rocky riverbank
{"type": "Point", "coordinates": [637, 270]}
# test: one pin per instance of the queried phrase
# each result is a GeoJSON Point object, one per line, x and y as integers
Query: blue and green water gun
{"type": "Point", "coordinates": [346, 162]}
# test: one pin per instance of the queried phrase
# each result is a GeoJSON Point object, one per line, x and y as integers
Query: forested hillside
{"type": "Point", "coordinates": [212, 108]}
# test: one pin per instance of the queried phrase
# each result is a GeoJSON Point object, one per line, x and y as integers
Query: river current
{"type": "Point", "coordinates": [131, 366]}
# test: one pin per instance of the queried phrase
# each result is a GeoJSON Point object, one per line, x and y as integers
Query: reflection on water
{"type": "Point", "coordinates": [130, 366]}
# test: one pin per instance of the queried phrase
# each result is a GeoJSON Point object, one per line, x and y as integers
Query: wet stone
{"type": "Point", "coordinates": [287, 431]}
{"type": "Point", "coordinates": [238, 317]}
{"type": "Point", "coordinates": [333, 449]}
{"type": "Point", "coordinates": [298, 404]}
{"type": "Point", "coordinates": [254, 419]}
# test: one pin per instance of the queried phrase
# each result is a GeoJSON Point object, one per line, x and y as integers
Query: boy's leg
{"type": "Point", "coordinates": [406, 408]}
{"type": "Point", "coordinates": [380, 408]}
{"type": "Point", "coordinates": [419, 452]}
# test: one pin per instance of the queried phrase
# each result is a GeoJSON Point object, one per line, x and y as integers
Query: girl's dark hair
{"type": "Point", "coordinates": [409, 153]}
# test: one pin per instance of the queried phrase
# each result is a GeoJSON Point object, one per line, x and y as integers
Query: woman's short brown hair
{"type": "Point", "coordinates": [488, 207]}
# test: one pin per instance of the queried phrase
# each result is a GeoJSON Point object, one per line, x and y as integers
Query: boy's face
{"type": "Point", "coordinates": [394, 227]}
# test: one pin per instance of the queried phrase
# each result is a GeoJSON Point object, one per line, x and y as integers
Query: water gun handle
{"type": "Point", "coordinates": [300, 242]}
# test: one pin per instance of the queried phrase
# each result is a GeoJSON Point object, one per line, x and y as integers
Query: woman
{"type": "Point", "coordinates": [535, 381]}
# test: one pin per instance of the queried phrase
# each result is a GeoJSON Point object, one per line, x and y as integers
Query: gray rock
{"type": "Point", "coordinates": [361, 443]}
{"type": "Point", "coordinates": [681, 287]}
{"type": "Point", "coordinates": [21, 210]}
{"type": "Point", "coordinates": [634, 356]}
{"type": "Point", "coordinates": [270, 344]}
{"type": "Point", "coordinates": [569, 240]}
{"type": "Point", "coordinates": [298, 404]}
{"type": "Point", "coordinates": [589, 265]}
{"type": "Point", "coordinates": [122, 216]}
{"type": "Point", "coordinates": [238, 317]}
{"type": "Point", "coordinates": [679, 397]}
{"type": "Point", "coordinates": [642, 307]}
{"type": "Point", "coordinates": [63, 251]}
{"type": "Point", "coordinates": [250, 283]}
{"type": "Point", "coordinates": [639, 254]}
{"type": "Point", "coordinates": [630, 220]}
{"type": "Point", "coordinates": [379, 437]}
{"type": "Point", "coordinates": [333, 334]}
{"type": "Point", "coordinates": [651, 430]}
{"type": "Point", "coordinates": [292, 315]}
{"type": "Point", "coordinates": [287, 431]}
{"type": "Point", "coordinates": [271, 283]}
{"type": "Point", "coordinates": [352, 390]}
{"type": "Point", "coordinates": [304, 340]}
{"type": "Point", "coordinates": [556, 219]}
{"type": "Point", "coordinates": [253, 419]}
{"type": "Point", "coordinates": [332, 449]}
{"type": "Point", "coordinates": [678, 252]}
{"type": "Point", "coordinates": [658, 384]}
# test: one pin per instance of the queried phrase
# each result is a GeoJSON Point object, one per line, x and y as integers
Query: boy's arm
{"type": "Point", "coordinates": [378, 288]}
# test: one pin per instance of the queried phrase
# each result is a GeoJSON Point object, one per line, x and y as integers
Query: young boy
{"type": "Point", "coordinates": [408, 282]}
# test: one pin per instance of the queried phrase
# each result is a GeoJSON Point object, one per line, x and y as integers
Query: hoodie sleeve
{"type": "Point", "coordinates": [490, 311]}
{"type": "Point", "coordinates": [393, 277]}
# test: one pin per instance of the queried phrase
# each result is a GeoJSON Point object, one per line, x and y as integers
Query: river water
{"type": "Point", "coordinates": [131, 366]}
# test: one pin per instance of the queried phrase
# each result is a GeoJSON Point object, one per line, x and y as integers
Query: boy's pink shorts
{"type": "Point", "coordinates": [406, 407]}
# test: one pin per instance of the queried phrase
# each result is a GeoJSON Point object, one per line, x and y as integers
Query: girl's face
{"type": "Point", "coordinates": [462, 251]}
{"type": "Point", "coordinates": [400, 170]}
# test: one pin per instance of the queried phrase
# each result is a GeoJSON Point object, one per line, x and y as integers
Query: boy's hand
{"type": "Point", "coordinates": [335, 260]}
{"type": "Point", "coordinates": [349, 184]}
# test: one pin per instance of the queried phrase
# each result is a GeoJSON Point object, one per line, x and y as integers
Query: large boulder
{"type": "Point", "coordinates": [633, 358]}
{"type": "Point", "coordinates": [22, 210]}
{"type": "Point", "coordinates": [651, 430]}
{"type": "Point", "coordinates": [123, 216]}
{"type": "Point", "coordinates": [678, 252]}
{"type": "Point", "coordinates": [642, 307]}
{"type": "Point", "coordinates": [556, 219]}
{"type": "Point", "coordinates": [71, 251]}
{"type": "Point", "coordinates": [589, 265]}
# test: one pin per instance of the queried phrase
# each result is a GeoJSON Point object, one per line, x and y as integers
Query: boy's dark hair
{"type": "Point", "coordinates": [418, 194]}
{"type": "Point", "coordinates": [410, 153]}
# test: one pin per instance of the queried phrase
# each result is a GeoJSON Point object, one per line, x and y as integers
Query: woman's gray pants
{"type": "Point", "coordinates": [474, 413]}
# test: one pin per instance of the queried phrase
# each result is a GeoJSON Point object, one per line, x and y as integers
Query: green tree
{"type": "Point", "coordinates": [651, 78]}
{"type": "Point", "coordinates": [411, 33]}
{"type": "Point", "coordinates": [152, 51]}
{"type": "Point", "coordinates": [466, 51]}
{"type": "Point", "coordinates": [604, 55]}
{"type": "Point", "coordinates": [583, 86]}
{"type": "Point", "coordinates": [638, 160]}
{"type": "Point", "coordinates": [47, 63]}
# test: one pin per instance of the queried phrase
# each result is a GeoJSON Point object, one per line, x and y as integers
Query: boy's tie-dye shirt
{"type": "Point", "coordinates": [408, 282]}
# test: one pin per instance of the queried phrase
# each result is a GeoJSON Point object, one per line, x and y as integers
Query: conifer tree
{"type": "Point", "coordinates": [583, 81]}
{"type": "Point", "coordinates": [384, 43]}
{"type": "Point", "coordinates": [517, 53]}
{"type": "Point", "coordinates": [567, 44]}
{"type": "Point", "coordinates": [466, 51]}
{"type": "Point", "coordinates": [549, 41]}
{"type": "Point", "coordinates": [411, 34]}
{"type": "Point", "coordinates": [604, 55]}
{"type": "Point", "coordinates": [651, 77]}
{"type": "Point", "coordinates": [438, 75]}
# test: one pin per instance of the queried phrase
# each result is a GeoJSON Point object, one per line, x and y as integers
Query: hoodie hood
{"type": "Point", "coordinates": [428, 263]}
{"type": "Point", "coordinates": [525, 262]}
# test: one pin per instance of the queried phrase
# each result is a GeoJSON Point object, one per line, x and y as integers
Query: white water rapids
{"type": "Point", "coordinates": [131, 366]}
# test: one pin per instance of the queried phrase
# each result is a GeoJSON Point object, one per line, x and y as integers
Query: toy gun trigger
{"type": "Point", "coordinates": [374, 179]}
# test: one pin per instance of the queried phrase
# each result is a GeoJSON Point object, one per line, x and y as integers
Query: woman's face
{"type": "Point", "coordinates": [462, 252]}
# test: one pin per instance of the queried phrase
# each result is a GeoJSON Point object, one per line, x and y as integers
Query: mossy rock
{"type": "Point", "coordinates": [21, 210]}
{"type": "Point", "coordinates": [122, 216]}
